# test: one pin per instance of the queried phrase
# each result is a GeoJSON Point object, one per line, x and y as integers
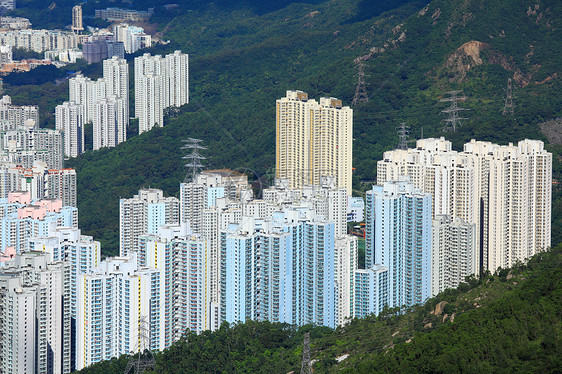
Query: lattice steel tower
{"type": "Point", "coordinates": [454, 120]}
{"type": "Point", "coordinates": [138, 364]}
{"type": "Point", "coordinates": [194, 164]}
{"type": "Point", "coordinates": [361, 90]}
{"type": "Point", "coordinates": [403, 135]}
{"type": "Point", "coordinates": [306, 367]}
{"type": "Point", "coordinates": [508, 107]}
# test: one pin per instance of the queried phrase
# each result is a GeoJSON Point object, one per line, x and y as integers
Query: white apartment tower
{"type": "Point", "coordinates": [505, 191]}
{"type": "Point", "coordinates": [69, 118]}
{"type": "Point", "coordinates": [454, 253]}
{"type": "Point", "coordinates": [116, 76]}
{"type": "Point", "coordinates": [120, 311]}
{"type": "Point", "coordinates": [144, 214]}
{"type": "Point", "coordinates": [314, 139]}
{"type": "Point", "coordinates": [183, 258]}
{"type": "Point", "coordinates": [346, 263]}
{"type": "Point", "coordinates": [160, 82]}
{"type": "Point", "coordinates": [110, 122]}
{"type": "Point", "coordinates": [77, 19]}
{"type": "Point", "coordinates": [177, 68]}
{"type": "Point", "coordinates": [35, 325]}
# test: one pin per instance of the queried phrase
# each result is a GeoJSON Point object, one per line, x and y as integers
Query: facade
{"type": "Point", "coordinates": [40, 182]}
{"type": "Point", "coordinates": [132, 37]}
{"type": "Point", "coordinates": [39, 40]}
{"type": "Point", "coordinates": [454, 255]}
{"type": "Point", "coordinates": [22, 219]}
{"type": "Point", "coordinates": [346, 263]}
{"type": "Point", "coordinates": [117, 14]}
{"type": "Point", "coordinates": [14, 116]}
{"type": "Point", "coordinates": [35, 330]}
{"type": "Point", "coordinates": [371, 291]}
{"type": "Point", "coordinates": [27, 144]}
{"type": "Point", "coordinates": [398, 236]}
{"type": "Point", "coordinates": [69, 118]}
{"type": "Point", "coordinates": [116, 76]}
{"type": "Point", "coordinates": [183, 259]}
{"type": "Point", "coordinates": [279, 270]}
{"type": "Point", "coordinates": [355, 209]}
{"type": "Point", "coordinates": [144, 214]}
{"type": "Point", "coordinates": [120, 311]}
{"type": "Point", "coordinates": [160, 82]}
{"type": "Point", "coordinates": [77, 19]}
{"type": "Point", "coordinates": [110, 127]}
{"type": "Point", "coordinates": [8, 4]}
{"type": "Point", "coordinates": [504, 190]}
{"type": "Point", "coordinates": [314, 139]}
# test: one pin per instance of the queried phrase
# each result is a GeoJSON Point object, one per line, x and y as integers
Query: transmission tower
{"type": "Point", "coordinates": [138, 364]}
{"type": "Point", "coordinates": [403, 135]}
{"type": "Point", "coordinates": [194, 164]}
{"type": "Point", "coordinates": [454, 120]}
{"type": "Point", "coordinates": [508, 107]}
{"type": "Point", "coordinates": [306, 367]}
{"type": "Point", "coordinates": [360, 91]}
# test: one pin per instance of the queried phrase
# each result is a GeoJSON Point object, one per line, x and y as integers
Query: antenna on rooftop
{"type": "Point", "coordinates": [194, 164]}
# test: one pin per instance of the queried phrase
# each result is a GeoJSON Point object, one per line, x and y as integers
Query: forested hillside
{"type": "Point", "coordinates": [245, 55]}
{"type": "Point", "coordinates": [510, 322]}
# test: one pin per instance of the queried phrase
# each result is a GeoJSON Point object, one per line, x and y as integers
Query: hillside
{"type": "Point", "coordinates": [509, 322]}
{"type": "Point", "coordinates": [245, 55]}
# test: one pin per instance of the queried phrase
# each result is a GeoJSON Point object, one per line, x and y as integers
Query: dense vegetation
{"type": "Point", "coordinates": [508, 322]}
{"type": "Point", "coordinates": [244, 55]}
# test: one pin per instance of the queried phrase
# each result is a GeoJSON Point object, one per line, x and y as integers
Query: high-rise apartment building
{"type": "Point", "coordinates": [35, 325]}
{"type": "Point", "coordinates": [398, 236]}
{"type": "Point", "coordinates": [144, 214]}
{"type": "Point", "coordinates": [77, 19]}
{"type": "Point", "coordinates": [39, 40]}
{"type": "Point", "coordinates": [160, 82]}
{"type": "Point", "coordinates": [183, 258]}
{"type": "Point", "coordinates": [28, 144]}
{"type": "Point", "coordinates": [454, 253]}
{"type": "Point", "coordinates": [504, 190]}
{"type": "Point", "coordinates": [132, 37]}
{"type": "Point", "coordinates": [281, 269]}
{"type": "Point", "coordinates": [22, 219]}
{"type": "Point", "coordinates": [345, 265]}
{"type": "Point", "coordinates": [371, 291]}
{"type": "Point", "coordinates": [120, 311]}
{"type": "Point", "coordinates": [40, 181]}
{"type": "Point", "coordinates": [177, 68]}
{"type": "Point", "coordinates": [314, 139]}
{"type": "Point", "coordinates": [14, 116]}
{"type": "Point", "coordinates": [110, 122]}
{"type": "Point", "coordinates": [105, 102]}
{"type": "Point", "coordinates": [69, 118]}
{"type": "Point", "coordinates": [116, 76]}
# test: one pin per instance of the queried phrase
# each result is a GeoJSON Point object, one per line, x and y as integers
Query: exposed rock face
{"type": "Point", "coordinates": [439, 308]}
{"type": "Point", "coordinates": [468, 56]}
